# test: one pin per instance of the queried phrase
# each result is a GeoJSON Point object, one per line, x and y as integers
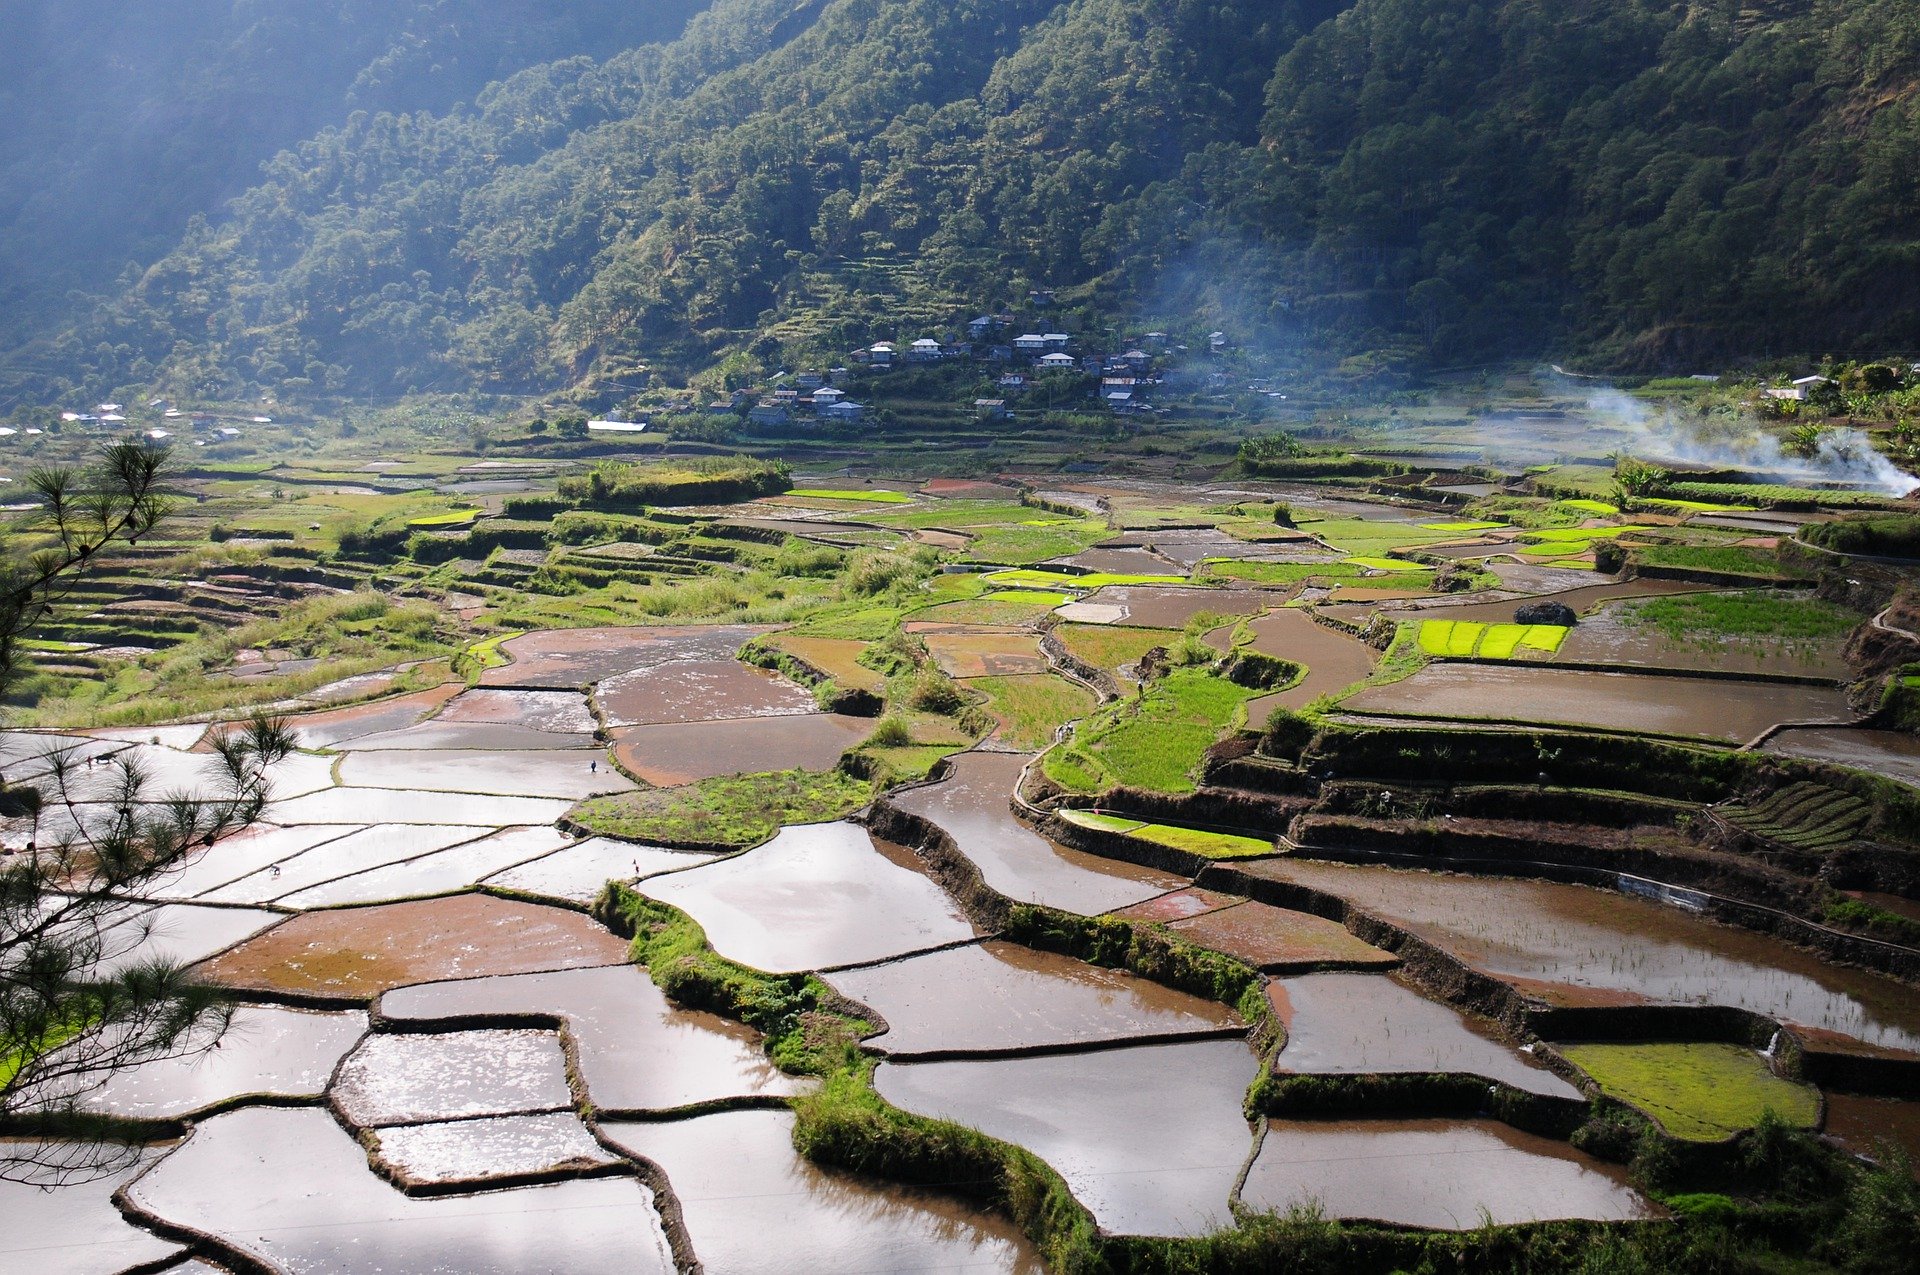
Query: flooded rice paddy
{"type": "Point", "coordinates": [1576, 945]}
{"type": "Point", "coordinates": [971, 806]}
{"type": "Point", "coordinates": [816, 896]}
{"type": "Point", "coordinates": [1883, 752]}
{"type": "Point", "coordinates": [572, 658]}
{"type": "Point", "coordinates": [1149, 1139]}
{"type": "Point", "coordinates": [355, 953]}
{"type": "Point", "coordinates": [998, 996]}
{"type": "Point", "coordinates": [752, 1204]}
{"type": "Point", "coordinates": [637, 1051]}
{"type": "Point", "coordinates": [74, 1228]}
{"type": "Point", "coordinates": [409, 1079]}
{"type": "Point", "coordinates": [577, 873]}
{"type": "Point", "coordinates": [470, 1032]}
{"type": "Point", "coordinates": [440, 872]}
{"type": "Point", "coordinates": [700, 691]}
{"type": "Point", "coordinates": [1334, 660]}
{"type": "Point", "coordinates": [568, 774]}
{"type": "Point", "coordinates": [470, 1152]}
{"type": "Point", "coordinates": [1710, 708]}
{"type": "Point", "coordinates": [684, 752]}
{"type": "Point", "coordinates": [1864, 1124]}
{"type": "Point", "coordinates": [1368, 1024]}
{"type": "Point", "coordinates": [1160, 606]}
{"type": "Point", "coordinates": [265, 1051]}
{"type": "Point", "coordinates": [290, 1188]}
{"type": "Point", "coordinates": [1445, 1174]}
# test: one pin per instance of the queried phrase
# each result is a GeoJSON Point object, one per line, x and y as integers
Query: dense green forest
{"type": "Point", "coordinates": [124, 120]}
{"type": "Point", "coordinates": [1635, 182]}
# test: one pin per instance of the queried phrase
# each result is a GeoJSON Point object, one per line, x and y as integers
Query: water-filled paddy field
{"type": "Point", "coordinates": [444, 1043]}
{"type": "Point", "coordinates": [1576, 945]}
{"type": "Point", "coordinates": [1723, 709]}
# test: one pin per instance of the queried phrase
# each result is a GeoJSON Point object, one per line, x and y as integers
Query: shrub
{"type": "Point", "coordinates": [1558, 613]}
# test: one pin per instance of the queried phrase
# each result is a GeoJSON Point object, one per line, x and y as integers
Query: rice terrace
{"type": "Point", "coordinates": [1176, 868]}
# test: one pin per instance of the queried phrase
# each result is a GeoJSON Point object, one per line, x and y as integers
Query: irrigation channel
{"type": "Point", "coordinates": [443, 1057]}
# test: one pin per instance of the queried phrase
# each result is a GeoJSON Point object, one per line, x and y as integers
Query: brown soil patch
{"type": "Point", "coordinates": [984, 653]}
{"type": "Point", "coordinates": [683, 752]}
{"type": "Point", "coordinates": [967, 489]}
{"type": "Point", "coordinates": [357, 953]}
{"type": "Point", "coordinates": [838, 658]}
{"type": "Point", "coordinates": [322, 730]}
{"type": "Point", "coordinates": [701, 691]}
{"type": "Point", "coordinates": [573, 657]}
{"type": "Point", "coordinates": [1179, 905]}
{"type": "Point", "coordinates": [1270, 938]}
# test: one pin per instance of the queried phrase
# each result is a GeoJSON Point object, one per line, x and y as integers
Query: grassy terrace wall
{"type": "Point", "coordinates": [1571, 759]}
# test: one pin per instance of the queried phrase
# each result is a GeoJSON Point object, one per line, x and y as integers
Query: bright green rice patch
{"type": "Point", "coordinates": [1706, 618]}
{"type": "Point", "coordinates": [452, 518]}
{"type": "Point", "coordinates": [1461, 638]}
{"type": "Point", "coordinates": [1388, 564]}
{"type": "Point", "coordinates": [1568, 534]}
{"type": "Point", "coordinates": [41, 644]}
{"type": "Point", "coordinates": [876, 497]}
{"type": "Point", "coordinates": [1327, 573]}
{"type": "Point", "coordinates": [1463, 526]}
{"type": "Point", "coordinates": [734, 810]}
{"type": "Point", "coordinates": [1014, 607]}
{"type": "Point", "coordinates": [1154, 741]}
{"type": "Point", "coordinates": [1048, 580]}
{"type": "Point", "coordinates": [1031, 707]}
{"type": "Point", "coordinates": [1552, 552]}
{"type": "Point", "coordinates": [1721, 559]}
{"type": "Point", "coordinates": [1698, 506]}
{"type": "Point", "coordinates": [1209, 845]}
{"type": "Point", "coordinates": [1102, 822]}
{"type": "Point", "coordinates": [1598, 508]}
{"type": "Point", "coordinates": [487, 654]}
{"type": "Point", "coordinates": [869, 625]}
{"type": "Point", "coordinates": [1112, 646]}
{"type": "Point", "coordinates": [1700, 1092]}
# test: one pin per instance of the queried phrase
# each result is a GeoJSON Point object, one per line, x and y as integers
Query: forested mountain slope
{"type": "Point", "coordinates": [125, 117]}
{"type": "Point", "coordinates": [1642, 181]}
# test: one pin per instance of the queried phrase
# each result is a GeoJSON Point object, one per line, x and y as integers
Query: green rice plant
{"type": "Point", "coordinates": [733, 810]}
{"type": "Point", "coordinates": [1201, 841]}
{"type": "Point", "coordinates": [1154, 741]}
{"type": "Point", "coordinates": [1100, 821]}
{"type": "Point", "coordinates": [1030, 708]}
{"type": "Point", "coordinates": [1387, 564]}
{"type": "Point", "coordinates": [453, 518]}
{"type": "Point", "coordinates": [874, 496]}
{"type": "Point", "coordinates": [1465, 525]}
{"type": "Point", "coordinates": [1700, 1092]}
{"type": "Point", "coordinates": [1054, 580]}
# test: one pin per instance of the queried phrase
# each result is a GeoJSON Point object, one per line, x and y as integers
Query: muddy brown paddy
{"type": "Point", "coordinates": [638, 1052]}
{"type": "Point", "coordinates": [1334, 660]}
{"type": "Point", "coordinates": [1369, 1023]}
{"type": "Point", "coordinates": [1712, 708]}
{"type": "Point", "coordinates": [1434, 1173]}
{"type": "Point", "coordinates": [1575, 944]}
{"type": "Point", "coordinates": [971, 806]}
{"type": "Point", "coordinates": [1003, 996]}
{"type": "Point", "coordinates": [576, 657]}
{"type": "Point", "coordinates": [684, 752]}
{"type": "Point", "coordinates": [1883, 752]}
{"type": "Point", "coordinates": [752, 1204]}
{"type": "Point", "coordinates": [1149, 1138]}
{"type": "Point", "coordinates": [291, 1188]}
{"type": "Point", "coordinates": [700, 691]}
{"type": "Point", "coordinates": [355, 953]}
{"type": "Point", "coordinates": [816, 896]}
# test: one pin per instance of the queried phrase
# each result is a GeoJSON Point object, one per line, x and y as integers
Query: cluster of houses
{"type": "Point", "coordinates": [112, 416]}
{"type": "Point", "coordinates": [1125, 378]}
